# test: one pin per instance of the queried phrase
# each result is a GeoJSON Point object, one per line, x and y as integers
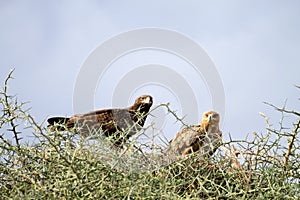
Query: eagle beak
{"type": "Point", "coordinates": [209, 118]}
{"type": "Point", "coordinates": [147, 100]}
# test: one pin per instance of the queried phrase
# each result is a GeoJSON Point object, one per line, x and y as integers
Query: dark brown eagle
{"type": "Point", "coordinates": [202, 139]}
{"type": "Point", "coordinates": [118, 123]}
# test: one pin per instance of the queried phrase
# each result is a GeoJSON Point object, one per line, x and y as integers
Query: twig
{"type": "Point", "coordinates": [172, 112]}
{"type": "Point", "coordinates": [9, 110]}
{"type": "Point", "coordinates": [291, 143]}
{"type": "Point", "coordinates": [283, 109]}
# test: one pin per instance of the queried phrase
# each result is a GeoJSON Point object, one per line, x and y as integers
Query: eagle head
{"type": "Point", "coordinates": [210, 118]}
{"type": "Point", "coordinates": [143, 102]}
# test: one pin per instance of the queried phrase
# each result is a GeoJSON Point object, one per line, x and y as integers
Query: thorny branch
{"type": "Point", "coordinates": [50, 170]}
{"type": "Point", "coordinates": [294, 133]}
{"type": "Point", "coordinates": [9, 110]}
{"type": "Point", "coordinates": [167, 105]}
{"type": "Point", "coordinates": [283, 109]}
{"type": "Point", "coordinates": [291, 143]}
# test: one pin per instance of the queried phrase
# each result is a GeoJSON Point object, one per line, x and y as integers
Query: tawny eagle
{"type": "Point", "coordinates": [202, 139]}
{"type": "Point", "coordinates": [116, 123]}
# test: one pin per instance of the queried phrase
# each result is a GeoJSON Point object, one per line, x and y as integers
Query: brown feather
{"type": "Point", "coordinates": [202, 139]}
{"type": "Point", "coordinates": [111, 122]}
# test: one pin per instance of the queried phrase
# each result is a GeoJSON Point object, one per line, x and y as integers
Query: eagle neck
{"type": "Point", "coordinates": [139, 108]}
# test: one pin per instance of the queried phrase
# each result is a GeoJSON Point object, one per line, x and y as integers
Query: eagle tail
{"type": "Point", "coordinates": [58, 123]}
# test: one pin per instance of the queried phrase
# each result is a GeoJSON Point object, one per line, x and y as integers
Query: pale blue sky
{"type": "Point", "coordinates": [255, 46]}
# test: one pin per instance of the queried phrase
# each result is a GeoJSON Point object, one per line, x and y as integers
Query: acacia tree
{"type": "Point", "coordinates": [58, 165]}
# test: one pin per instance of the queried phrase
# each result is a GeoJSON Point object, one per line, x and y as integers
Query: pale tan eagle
{"type": "Point", "coordinates": [202, 139]}
{"type": "Point", "coordinates": [112, 123]}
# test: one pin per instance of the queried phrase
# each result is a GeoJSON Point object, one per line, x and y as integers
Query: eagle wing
{"type": "Point", "coordinates": [108, 120]}
{"type": "Point", "coordinates": [120, 123]}
{"type": "Point", "coordinates": [186, 140]}
{"type": "Point", "coordinates": [195, 139]}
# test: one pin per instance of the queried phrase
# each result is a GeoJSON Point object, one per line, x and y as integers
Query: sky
{"type": "Point", "coordinates": [254, 46]}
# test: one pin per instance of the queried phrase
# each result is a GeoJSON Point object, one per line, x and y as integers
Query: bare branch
{"type": "Point", "coordinates": [291, 143]}
{"type": "Point", "coordinates": [9, 110]}
{"type": "Point", "coordinates": [283, 109]}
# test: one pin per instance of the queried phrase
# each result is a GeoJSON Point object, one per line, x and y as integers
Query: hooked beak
{"type": "Point", "coordinates": [148, 100]}
{"type": "Point", "coordinates": [209, 118]}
